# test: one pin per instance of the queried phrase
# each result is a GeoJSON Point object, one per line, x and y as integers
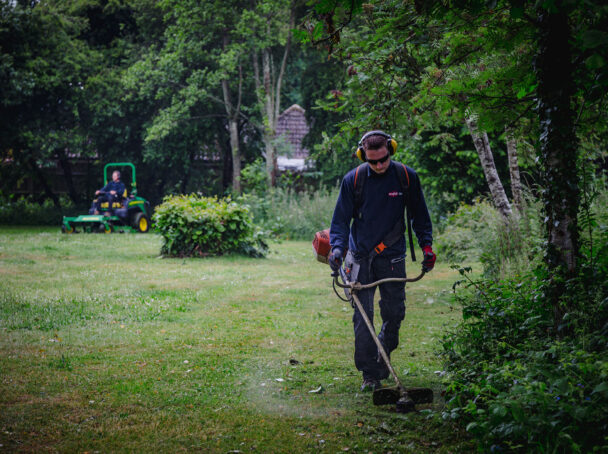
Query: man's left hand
{"type": "Point", "coordinates": [428, 263]}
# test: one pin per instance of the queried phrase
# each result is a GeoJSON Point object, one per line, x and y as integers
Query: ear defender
{"type": "Point", "coordinates": [360, 154]}
{"type": "Point", "coordinates": [391, 144]}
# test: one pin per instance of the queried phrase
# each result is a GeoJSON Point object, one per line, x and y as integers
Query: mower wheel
{"type": "Point", "coordinates": [141, 223]}
{"type": "Point", "coordinates": [105, 228]}
{"type": "Point", "coordinates": [68, 229]}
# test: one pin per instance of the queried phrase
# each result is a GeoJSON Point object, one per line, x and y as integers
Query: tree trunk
{"type": "Point", "coordinates": [233, 113]}
{"type": "Point", "coordinates": [227, 173]}
{"type": "Point", "coordinates": [514, 171]}
{"type": "Point", "coordinates": [482, 145]}
{"type": "Point", "coordinates": [558, 149]}
{"type": "Point", "coordinates": [269, 121]}
{"type": "Point", "coordinates": [235, 155]}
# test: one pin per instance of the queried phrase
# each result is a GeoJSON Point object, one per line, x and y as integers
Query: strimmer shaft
{"type": "Point", "coordinates": [370, 326]}
{"type": "Point", "coordinates": [351, 288]}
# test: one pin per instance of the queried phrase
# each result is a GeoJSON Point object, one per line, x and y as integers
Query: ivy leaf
{"type": "Point", "coordinates": [595, 62]}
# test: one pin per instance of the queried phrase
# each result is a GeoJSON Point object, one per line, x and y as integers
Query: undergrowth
{"type": "Point", "coordinates": [477, 233]}
{"type": "Point", "coordinates": [25, 211]}
{"type": "Point", "coordinates": [517, 383]}
{"type": "Point", "coordinates": [289, 214]}
{"type": "Point", "coordinates": [520, 380]}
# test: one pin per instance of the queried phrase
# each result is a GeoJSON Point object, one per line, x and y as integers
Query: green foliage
{"type": "Point", "coordinates": [193, 225]}
{"type": "Point", "coordinates": [24, 211]}
{"type": "Point", "coordinates": [462, 238]}
{"type": "Point", "coordinates": [478, 233]}
{"type": "Point", "coordinates": [517, 379]}
{"type": "Point", "coordinates": [253, 176]}
{"type": "Point", "coordinates": [448, 164]}
{"type": "Point", "coordinates": [292, 215]}
{"type": "Point", "coordinates": [517, 385]}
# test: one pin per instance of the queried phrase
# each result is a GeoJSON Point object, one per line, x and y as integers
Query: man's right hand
{"type": "Point", "coordinates": [335, 259]}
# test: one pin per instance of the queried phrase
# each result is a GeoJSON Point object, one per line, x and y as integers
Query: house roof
{"type": "Point", "coordinates": [293, 126]}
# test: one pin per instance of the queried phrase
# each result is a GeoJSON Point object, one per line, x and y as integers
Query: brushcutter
{"type": "Point", "coordinates": [405, 399]}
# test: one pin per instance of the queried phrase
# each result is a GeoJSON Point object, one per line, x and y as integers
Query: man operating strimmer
{"type": "Point", "coordinates": [374, 197]}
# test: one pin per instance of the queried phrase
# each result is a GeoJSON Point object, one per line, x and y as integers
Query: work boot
{"type": "Point", "coordinates": [370, 385]}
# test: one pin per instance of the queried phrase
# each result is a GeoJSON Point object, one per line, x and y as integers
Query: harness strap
{"type": "Point", "coordinates": [408, 216]}
{"type": "Point", "coordinates": [391, 238]}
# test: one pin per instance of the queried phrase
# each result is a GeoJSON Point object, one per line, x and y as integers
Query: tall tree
{"type": "Point", "coordinates": [482, 145]}
{"type": "Point", "coordinates": [193, 79]}
{"type": "Point", "coordinates": [42, 73]}
{"type": "Point", "coordinates": [268, 26]}
{"type": "Point", "coordinates": [516, 188]}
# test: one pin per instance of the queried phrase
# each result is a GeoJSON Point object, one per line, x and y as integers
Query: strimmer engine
{"type": "Point", "coordinates": [321, 247]}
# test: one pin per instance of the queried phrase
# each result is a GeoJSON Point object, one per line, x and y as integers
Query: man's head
{"type": "Point", "coordinates": [376, 148]}
{"type": "Point", "coordinates": [116, 175]}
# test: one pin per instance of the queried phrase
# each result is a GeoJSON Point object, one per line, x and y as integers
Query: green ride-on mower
{"type": "Point", "coordinates": [131, 213]}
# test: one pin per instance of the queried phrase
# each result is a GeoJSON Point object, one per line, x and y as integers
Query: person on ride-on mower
{"type": "Point", "coordinates": [374, 197]}
{"type": "Point", "coordinates": [111, 192]}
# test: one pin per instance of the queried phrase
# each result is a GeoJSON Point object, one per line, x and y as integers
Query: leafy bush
{"type": "Point", "coordinates": [290, 214]}
{"type": "Point", "coordinates": [521, 384]}
{"type": "Point", "coordinates": [193, 225]}
{"type": "Point", "coordinates": [253, 176]}
{"type": "Point", "coordinates": [24, 211]}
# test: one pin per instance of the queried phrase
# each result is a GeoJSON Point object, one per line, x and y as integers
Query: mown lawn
{"type": "Point", "coordinates": [106, 347]}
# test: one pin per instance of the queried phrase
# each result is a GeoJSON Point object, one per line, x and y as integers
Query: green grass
{"type": "Point", "coordinates": [105, 346]}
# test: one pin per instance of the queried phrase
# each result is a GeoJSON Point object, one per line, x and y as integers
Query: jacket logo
{"type": "Point", "coordinates": [395, 194]}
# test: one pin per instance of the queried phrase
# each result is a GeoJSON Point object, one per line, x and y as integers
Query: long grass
{"type": "Point", "coordinates": [105, 347]}
{"type": "Point", "coordinates": [290, 214]}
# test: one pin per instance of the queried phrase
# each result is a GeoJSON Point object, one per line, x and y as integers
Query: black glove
{"type": "Point", "coordinates": [335, 259]}
{"type": "Point", "coordinates": [429, 258]}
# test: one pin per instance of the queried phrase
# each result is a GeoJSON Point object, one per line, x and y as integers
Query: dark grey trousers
{"type": "Point", "coordinates": [392, 311]}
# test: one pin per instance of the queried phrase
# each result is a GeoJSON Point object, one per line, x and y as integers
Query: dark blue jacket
{"type": "Point", "coordinates": [383, 205]}
{"type": "Point", "coordinates": [118, 186]}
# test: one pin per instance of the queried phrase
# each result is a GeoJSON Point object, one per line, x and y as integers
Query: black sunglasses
{"type": "Point", "coordinates": [376, 161]}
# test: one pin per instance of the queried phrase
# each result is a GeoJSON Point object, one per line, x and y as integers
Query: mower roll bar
{"type": "Point", "coordinates": [121, 164]}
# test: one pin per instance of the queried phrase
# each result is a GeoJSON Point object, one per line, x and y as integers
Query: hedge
{"type": "Point", "coordinates": [197, 226]}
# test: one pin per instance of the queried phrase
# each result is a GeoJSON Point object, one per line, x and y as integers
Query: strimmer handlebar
{"type": "Point", "coordinates": [358, 286]}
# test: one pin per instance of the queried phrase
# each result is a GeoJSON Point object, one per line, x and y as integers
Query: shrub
{"type": "Point", "coordinates": [24, 211]}
{"type": "Point", "coordinates": [290, 214]}
{"type": "Point", "coordinates": [253, 176]}
{"type": "Point", "coordinates": [193, 225]}
{"type": "Point", "coordinates": [519, 383]}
